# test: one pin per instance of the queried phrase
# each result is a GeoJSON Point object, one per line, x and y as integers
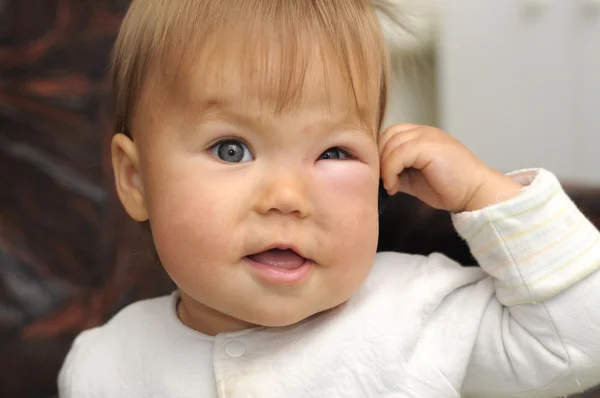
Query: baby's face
{"type": "Point", "coordinates": [260, 217]}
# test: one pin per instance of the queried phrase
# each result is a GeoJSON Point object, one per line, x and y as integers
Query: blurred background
{"type": "Point", "coordinates": [520, 83]}
{"type": "Point", "coordinates": [68, 257]}
{"type": "Point", "coordinates": [517, 81]}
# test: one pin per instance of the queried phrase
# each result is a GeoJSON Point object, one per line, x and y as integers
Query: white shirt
{"type": "Point", "coordinates": [525, 324]}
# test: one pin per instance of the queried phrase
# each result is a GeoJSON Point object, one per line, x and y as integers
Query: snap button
{"type": "Point", "coordinates": [235, 349]}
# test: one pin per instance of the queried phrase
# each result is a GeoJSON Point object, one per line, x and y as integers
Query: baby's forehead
{"type": "Point", "coordinates": [265, 85]}
{"type": "Point", "coordinates": [277, 84]}
{"type": "Point", "coordinates": [232, 110]}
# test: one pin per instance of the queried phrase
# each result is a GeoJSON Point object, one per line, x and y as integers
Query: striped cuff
{"type": "Point", "coordinates": [536, 244]}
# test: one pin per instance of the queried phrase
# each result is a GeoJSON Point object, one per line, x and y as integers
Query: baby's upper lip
{"type": "Point", "coordinates": [282, 246]}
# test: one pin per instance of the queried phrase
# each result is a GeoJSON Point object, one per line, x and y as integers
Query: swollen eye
{"type": "Point", "coordinates": [334, 154]}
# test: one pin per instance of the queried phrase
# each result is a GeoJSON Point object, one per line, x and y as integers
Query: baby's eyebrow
{"type": "Point", "coordinates": [218, 112]}
{"type": "Point", "coordinates": [229, 110]}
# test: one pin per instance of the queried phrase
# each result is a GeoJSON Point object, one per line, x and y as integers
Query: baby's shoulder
{"type": "Point", "coordinates": [100, 351]}
{"type": "Point", "coordinates": [130, 324]}
{"type": "Point", "coordinates": [434, 271]}
{"type": "Point", "coordinates": [143, 314]}
{"type": "Point", "coordinates": [402, 290]}
{"type": "Point", "coordinates": [404, 264]}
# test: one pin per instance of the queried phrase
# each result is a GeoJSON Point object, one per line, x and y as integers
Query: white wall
{"type": "Point", "coordinates": [521, 88]}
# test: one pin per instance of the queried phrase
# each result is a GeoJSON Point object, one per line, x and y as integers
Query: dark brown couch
{"type": "Point", "coordinates": [69, 259]}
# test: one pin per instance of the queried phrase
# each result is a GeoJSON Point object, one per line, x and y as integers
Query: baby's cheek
{"type": "Point", "coordinates": [347, 186]}
{"type": "Point", "coordinates": [347, 203]}
{"type": "Point", "coordinates": [350, 174]}
{"type": "Point", "coordinates": [188, 225]}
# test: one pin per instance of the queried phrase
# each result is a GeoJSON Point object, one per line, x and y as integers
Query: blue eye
{"type": "Point", "coordinates": [232, 151]}
{"type": "Point", "coordinates": [335, 154]}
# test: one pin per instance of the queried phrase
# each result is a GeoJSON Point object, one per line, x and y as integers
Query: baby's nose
{"type": "Point", "coordinates": [285, 193]}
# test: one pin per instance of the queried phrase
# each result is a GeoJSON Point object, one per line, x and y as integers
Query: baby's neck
{"type": "Point", "coordinates": [206, 320]}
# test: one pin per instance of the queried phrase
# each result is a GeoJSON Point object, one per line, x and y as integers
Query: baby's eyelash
{"type": "Point", "coordinates": [347, 155]}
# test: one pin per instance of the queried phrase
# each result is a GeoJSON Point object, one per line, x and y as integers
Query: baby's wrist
{"type": "Point", "coordinates": [495, 189]}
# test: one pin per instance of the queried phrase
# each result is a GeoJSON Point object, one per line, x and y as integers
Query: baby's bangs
{"type": "Point", "coordinates": [334, 42]}
{"type": "Point", "coordinates": [275, 46]}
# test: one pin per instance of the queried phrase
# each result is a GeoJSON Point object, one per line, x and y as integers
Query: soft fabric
{"type": "Point", "coordinates": [525, 324]}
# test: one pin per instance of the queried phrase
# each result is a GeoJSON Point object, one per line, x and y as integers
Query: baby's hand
{"type": "Point", "coordinates": [433, 166]}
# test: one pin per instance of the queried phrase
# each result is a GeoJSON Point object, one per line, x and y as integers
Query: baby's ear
{"type": "Point", "coordinates": [126, 166]}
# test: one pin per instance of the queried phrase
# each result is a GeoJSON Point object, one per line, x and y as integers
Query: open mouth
{"type": "Point", "coordinates": [280, 265]}
{"type": "Point", "coordinates": [279, 258]}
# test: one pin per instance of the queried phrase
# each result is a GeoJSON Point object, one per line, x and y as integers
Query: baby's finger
{"type": "Point", "coordinates": [404, 183]}
{"type": "Point", "coordinates": [399, 139]}
{"type": "Point", "coordinates": [394, 130]}
{"type": "Point", "coordinates": [396, 161]}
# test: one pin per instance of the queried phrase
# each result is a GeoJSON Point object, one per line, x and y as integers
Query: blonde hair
{"type": "Point", "coordinates": [162, 40]}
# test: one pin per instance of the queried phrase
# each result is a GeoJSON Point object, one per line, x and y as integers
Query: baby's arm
{"type": "Point", "coordinates": [541, 332]}
{"type": "Point", "coordinates": [541, 335]}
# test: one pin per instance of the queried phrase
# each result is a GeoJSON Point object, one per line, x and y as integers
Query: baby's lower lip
{"type": "Point", "coordinates": [277, 275]}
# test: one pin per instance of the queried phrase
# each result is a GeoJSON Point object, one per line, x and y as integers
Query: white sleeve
{"type": "Point", "coordinates": [540, 336]}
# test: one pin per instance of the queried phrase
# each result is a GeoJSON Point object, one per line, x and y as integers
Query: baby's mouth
{"type": "Point", "coordinates": [285, 259]}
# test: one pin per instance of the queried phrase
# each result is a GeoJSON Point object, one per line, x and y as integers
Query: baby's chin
{"type": "Point", "coordinates": [280, 319]}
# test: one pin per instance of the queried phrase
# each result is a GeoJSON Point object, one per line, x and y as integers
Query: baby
{"type": "Point", "coordinates": [249, 138]}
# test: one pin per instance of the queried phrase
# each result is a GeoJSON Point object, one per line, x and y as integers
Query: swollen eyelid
{"type": "Point", "coordinates": [336, 154]}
